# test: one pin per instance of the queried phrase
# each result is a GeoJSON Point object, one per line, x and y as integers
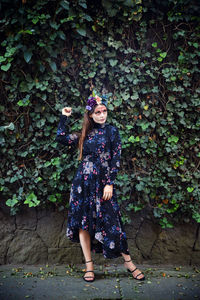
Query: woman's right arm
{"type": "Point", "coordinates": [63, 136]}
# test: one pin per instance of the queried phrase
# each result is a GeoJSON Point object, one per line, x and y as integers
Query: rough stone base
{"type": "Point", "coordinates": [38, 237]}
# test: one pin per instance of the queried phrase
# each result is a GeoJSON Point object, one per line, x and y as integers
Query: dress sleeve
{"type": "Point", "coordinates": [115, 156]}
{"type": "Point", "coordinates": [63, 136]}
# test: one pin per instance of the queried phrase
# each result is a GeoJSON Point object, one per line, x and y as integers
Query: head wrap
{"type": "Point", "coordinates": [94, 100]}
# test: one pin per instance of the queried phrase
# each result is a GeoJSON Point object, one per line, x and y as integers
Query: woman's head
{"type": "Point", "coordinates": [99, 114]}
{"type": "Point", "coordinates": [96, 112]}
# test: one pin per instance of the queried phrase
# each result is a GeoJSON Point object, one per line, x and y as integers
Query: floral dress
{"type": "Point", "coordinates": [99, 167]}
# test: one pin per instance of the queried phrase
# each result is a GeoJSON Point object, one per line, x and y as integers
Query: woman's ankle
{"type": "Point", "coordinates": [126, 257]}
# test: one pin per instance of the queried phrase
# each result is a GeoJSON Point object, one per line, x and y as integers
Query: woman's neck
{"type": "Point", "coordinates": [99, 125]}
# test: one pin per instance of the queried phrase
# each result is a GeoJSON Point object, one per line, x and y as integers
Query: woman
{"type": "Point", "coordinates": [94, 217]}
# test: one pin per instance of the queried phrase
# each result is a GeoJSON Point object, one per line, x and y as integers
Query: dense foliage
{"type": "Point", "coordinates": [146, 53]}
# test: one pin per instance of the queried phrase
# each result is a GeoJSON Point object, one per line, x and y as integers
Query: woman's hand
{"type": "Point", "coordinates": [67, 111]}
{"type": "Point", "coordinates": [107, 192]}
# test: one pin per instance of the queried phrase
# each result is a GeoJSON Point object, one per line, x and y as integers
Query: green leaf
{"type": "Point", "coordinates": [163, 54]}
{"type": "Point", "coordinates": [2, 58]}
{"type": "Point", "coordinates": [6, 67]}
{"type": "Point", "coordinates": [31, 200]}
{"type": "Point", "coordinates": [81, 31]}
{"type": "Point", "coordinates": [12, 202]}
{"type": "Point", "coordinates": [154, 45]}
{"type": "Point", "coordinates": [27, 56]}
{"type": "Point", "coordinates": [35, 20]}
{"type": "Point", "coordinates": [24, 102]}
{"type": "Point", "coordinates": [10, 51]}
{"type": "Point", "coordinates": [140, 186]}
{"type": "Point", "coordinates": [133, 139]}
{"type": "Point", "coordinates": [83, 4]}
{"type": "Point", "coordinates": [62, 35]}
{"type": "Point", "coordinates": [129, 3]}
{"type": "Point", "coordinates": [53, 66]}
{"type": "Point", "coordinates": [113, 62]}
{"type": "Point", "coordinates": [11, 126]}
{"type": "Point", "coordinates": [144, 125]}
{"type": "Point", "coordinates": [196, 216]}
{"type": "Point", "coordinates": [196, 45]}
{"type": "Point", "coordinates": [65, 4]}
{"type": "Point", "coordinates": [91, 74]}
{"type": "Point", "coordinates": [135, 96]}
{"type": "Point", "coordinates": [190, 189]}
{"type": "Point", "coordinates": [52, 198]}
{"type": "Point", "coordinates": [88, 18]}
{"type": "Point", "coordinates": [173, 139]}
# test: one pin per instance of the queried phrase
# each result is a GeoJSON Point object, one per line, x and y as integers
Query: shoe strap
{"type": "Point", "coordinates": [89, 271]}
{"type": "Point", "coordinates": [133, 270]}
{"type": "Point", "coordinates": [89, 261]}
{"type": "Point", "coordinates": [138, 275]}
{"type": "Point", "coordinates": [128, 260]}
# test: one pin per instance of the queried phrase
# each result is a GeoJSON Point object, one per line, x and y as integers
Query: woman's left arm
{"type": "Point", "coordinates": [115, 155]}
{"type": "Point", "coordinates": [114, 163]}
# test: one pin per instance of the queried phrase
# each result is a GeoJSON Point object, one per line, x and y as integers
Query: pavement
{"type": "Point", "coordinates": [63, 282]}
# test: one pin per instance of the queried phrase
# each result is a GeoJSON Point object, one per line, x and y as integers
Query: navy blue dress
{"type": "Point", "coordinates": [99, 167]}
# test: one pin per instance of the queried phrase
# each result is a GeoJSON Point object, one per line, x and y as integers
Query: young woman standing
{"type": "Point", "coordinates": [94, 217]}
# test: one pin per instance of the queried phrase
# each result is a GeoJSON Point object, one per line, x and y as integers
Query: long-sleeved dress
{"type": "Point", "coordinates": [99, 167]}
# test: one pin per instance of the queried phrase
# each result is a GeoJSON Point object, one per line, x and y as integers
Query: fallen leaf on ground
{"type": "Point", "coordinates": [149, 281]}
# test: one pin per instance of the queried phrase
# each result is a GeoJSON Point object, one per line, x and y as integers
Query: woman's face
{"type": "Point", "coordinates": [100, 114]}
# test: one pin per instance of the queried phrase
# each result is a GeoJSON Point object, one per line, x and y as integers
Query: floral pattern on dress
{"type": "Point", "coordinates": [87, 209]}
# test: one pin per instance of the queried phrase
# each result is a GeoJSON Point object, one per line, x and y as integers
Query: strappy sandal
{"type": "Point", "coordinates": [88, 272]}
{"type": "Point", "coordinates": [135, 277]}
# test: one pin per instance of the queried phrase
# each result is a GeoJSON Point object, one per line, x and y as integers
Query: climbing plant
{"type": "Point", "coordinates": [146, 53]}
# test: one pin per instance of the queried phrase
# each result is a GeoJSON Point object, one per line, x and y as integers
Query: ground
{"type": "Point", "coordinates": [57, 282]}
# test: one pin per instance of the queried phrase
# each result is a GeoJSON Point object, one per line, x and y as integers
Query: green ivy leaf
{"type": "Point", "coordinates": [65, 4]}
{"type": "Point", "coordinates": [154, 44]}
{"type": "Point", "coordinates": [27, 56]}
{"type": "Point", "coordinates": [190, 189]}
{"type": "Point", "coordinates": [133, 139]}
{"type": "Point", "coordinates": [81, 31]}
{"type": "Point", "coordinates": [53, 66]}
{"type": "Point", "coordinates": [52, 198]}
{"type": "Point", "coordinates": [32, 200]}
{"type": "Point", "coordinates": [6, 67]}
{"type": "Point", "coordinates": [2, 59]}
{"type": "Point", "coordinates": [113, 62]}
{"type": "Point", "coordinates": [173, 139]}
{"type": "Point", "coordinates": [196, 45]}
{"type": "Point", "coordinates": [13, 201]}
{"type": "Point", "coordinates": [163, 54]}
{"type": "Point", "coordinates": [23, 102]}
{"type": "Point", "coordinates": [62, 35]}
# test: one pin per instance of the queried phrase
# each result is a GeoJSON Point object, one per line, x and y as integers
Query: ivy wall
{"type": "Point", "coordinates": [146, 54]}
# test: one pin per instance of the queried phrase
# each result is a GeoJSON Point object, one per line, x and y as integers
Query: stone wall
{"type": "Point", "coordinates": [38, 237]}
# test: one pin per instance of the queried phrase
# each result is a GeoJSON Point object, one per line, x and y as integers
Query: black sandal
{"type": "Point", "coordinates": [135, 277]}
{"type": "Point", "coordinates": [88, 272]}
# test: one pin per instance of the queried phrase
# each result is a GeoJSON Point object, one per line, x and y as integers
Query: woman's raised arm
{"type": "Point", "coordinates": [63, 136]}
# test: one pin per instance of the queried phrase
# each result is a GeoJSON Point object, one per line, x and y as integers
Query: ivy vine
{"type": "Point", "coordinates": [146, 53]}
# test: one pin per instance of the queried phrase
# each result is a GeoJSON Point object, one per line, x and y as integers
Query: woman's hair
{"type": "Point", "coordinates": [87, 126]}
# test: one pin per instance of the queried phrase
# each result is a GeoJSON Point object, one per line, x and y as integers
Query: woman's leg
{"type": "Point", "coordinates": [85, 242]}
{"type": "Point", "coordinates": [131, 266]}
